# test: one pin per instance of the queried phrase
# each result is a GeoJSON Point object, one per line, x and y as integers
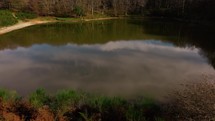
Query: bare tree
{"type": "Point", "coordinates": [18, 5]}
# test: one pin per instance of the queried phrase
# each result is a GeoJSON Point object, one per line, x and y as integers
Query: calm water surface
{"type": "Point", "coordinates": [114, 57]}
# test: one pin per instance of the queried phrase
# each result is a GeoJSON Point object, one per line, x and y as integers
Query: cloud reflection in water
{"type": "Point", "coordinates": [116, 68]}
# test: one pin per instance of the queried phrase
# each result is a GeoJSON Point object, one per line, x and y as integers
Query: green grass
{"type": "Point", "coordinates": [85, 106]}
{"type": "Point", "coordinates": [96, 16]}
{"type": "Point", "coordinates": [7, 95]}
{"type": "Point", "coordinates": [7, 18]}
{"type": "Point", "coordinates": [67, 19]}
{"type": "Point", "coordinates": [25, 16]}
{"type": "Point", "coordinates": [109, 107]}
{"type": "Point", "coordinates": [39, 98]}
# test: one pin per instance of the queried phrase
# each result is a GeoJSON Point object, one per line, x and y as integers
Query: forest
{"type": "Point", "coordinates": [184, 9]}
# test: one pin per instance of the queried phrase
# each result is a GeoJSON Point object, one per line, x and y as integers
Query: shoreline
{"type": "Point", "coordinates": [23, 24]}
{"type": "Point", "coordinates": [37, 21]}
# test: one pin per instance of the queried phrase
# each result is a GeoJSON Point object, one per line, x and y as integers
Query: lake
{"type": "Point", "coordinates": [124, 57]}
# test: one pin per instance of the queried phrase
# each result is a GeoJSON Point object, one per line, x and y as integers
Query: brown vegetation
{"type": "Point", "coordinates": [194, 103]}
{"type": "Point", "coordinates": [23, 111]}
{"type": "Point", "coordinates": [186, 9]}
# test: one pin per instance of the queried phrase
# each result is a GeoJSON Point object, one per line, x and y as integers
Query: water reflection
{"type": "Point", "coordinates": [105, 59]}
{"type": "Point", "coordinates": [115, 68]}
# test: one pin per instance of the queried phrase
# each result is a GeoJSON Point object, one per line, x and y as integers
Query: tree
{"type": "Point", "coordinates": [18, 5]}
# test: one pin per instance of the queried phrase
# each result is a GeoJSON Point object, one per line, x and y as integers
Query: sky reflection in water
{"type": "Point", "coordinates": [126, 68]}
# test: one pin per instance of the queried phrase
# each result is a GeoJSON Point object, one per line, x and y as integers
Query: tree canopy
{"type": "Point", "coordinates": [187, 9]}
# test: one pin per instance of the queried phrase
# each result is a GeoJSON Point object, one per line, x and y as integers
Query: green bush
{"type": "Point", "coordinates": [65, 98]}
{"type": "Point", "coordinates": [7, 18]}
{"type": "Point", "coordinates": [78, 11]}
{"type": "Point", "coordinates": [80, 105]}
{"type": "Point", "coordinates": [39, 98]}
{"type": "Point", "coordinates": [141, 109]}
{"type": "Point", "coordinates": [25, 16]}
{"type": "Point", "coordinates": [105, 102]}
{"type": "Point", "coordinates": [6, 95]}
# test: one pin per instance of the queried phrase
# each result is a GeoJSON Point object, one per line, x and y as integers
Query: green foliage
{"type": "Point", "coordinates": [6, 95]}
{"type": "Point", "coordinates": [39, 98]}
{"type": "Point", "coordinates": [86, 118]}
{"type": "Point", "coordinates": [25, 16]}
{"type": "Point", "coordinates": [67, 97]}
{"type": "Point", "coordinates": [64, 99]}
{"type": "Point", "coordinates": [78, 11]}
{"type": "Point", "coordinates": [86, 106]}
{"type": "Point", "coordinates": [102, 102]}
{"type": "Point", "coordinates": [134, 114]}
{"type": "Point", "coordinates": [96, 16]}
{"type": "Point", "coordinates": [67, 19]}
{"type": "Point", "coordinates": [137, 109]}
{"type": "Point", "coordinates": [7, 18]}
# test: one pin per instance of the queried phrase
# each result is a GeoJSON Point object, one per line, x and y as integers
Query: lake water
{"type": "Point", "coordinates": [112, 57]}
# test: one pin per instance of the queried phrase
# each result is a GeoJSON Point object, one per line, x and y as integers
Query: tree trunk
{"type": "Point", "coordinates": [92, 7]}
{"type": "Point", "coordinates": [183, 7]}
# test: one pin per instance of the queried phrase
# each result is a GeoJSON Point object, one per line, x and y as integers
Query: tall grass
{"type": "Point", "coordinates": [7, 18]}
{"type": "Point", "coordinates": [25, 16]}
{"type": "Point", "coordinates": [7, 95]}
{"type": "Point", "coordinates": [195, 102]}
{"type": "Point", "coordinates": [39, 98]}
{"type": "Point", "coordinates": [84, 106]}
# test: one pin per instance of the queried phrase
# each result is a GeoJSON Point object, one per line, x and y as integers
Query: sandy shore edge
{"type": "Point", "coordinates": [21, 25]}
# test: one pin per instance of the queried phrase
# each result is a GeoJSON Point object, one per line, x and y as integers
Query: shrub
{"type": "Point", "coordinates": [39, 98]}
{"type": "Point", "coordinates": [6, 95]}
{"type": "Point", "coordinates": [143, 109]}
{"type": "Point", "coordinates": [7, 18]}
{"type": "Point", "coordinates": [65, 98]}
{"type": "Point", "coordinates": [25, 16]}
{"type": "Point", "coordinates": [78, 11]}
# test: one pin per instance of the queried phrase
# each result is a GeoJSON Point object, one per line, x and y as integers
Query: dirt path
{"type": "Point", "coordinates": [21, 25]}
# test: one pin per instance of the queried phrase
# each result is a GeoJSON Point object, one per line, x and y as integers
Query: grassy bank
{"type": "Point", "coordinates": [7, 18]}
{"type": "Point", "coordinates": [10, 21]}
{"type": "Point", "coordinates": [69, 105]}
{"type": "Point", "coordinates": [195, 102]}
